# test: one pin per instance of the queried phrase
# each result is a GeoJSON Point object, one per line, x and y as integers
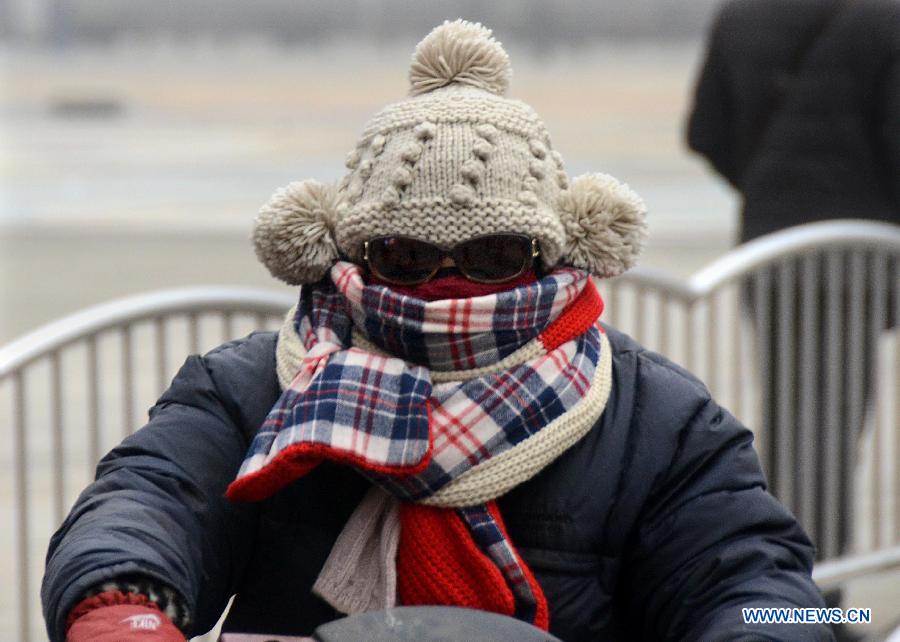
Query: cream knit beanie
{"type": "Point", "coordinates": [454, 160]}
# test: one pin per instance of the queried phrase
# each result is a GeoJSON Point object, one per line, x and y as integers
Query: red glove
{"type": "Point", "coordinates": [101, 619]}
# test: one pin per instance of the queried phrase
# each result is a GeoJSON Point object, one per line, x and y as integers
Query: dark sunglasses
{"type": "Point", "coordinates": [492, 258]}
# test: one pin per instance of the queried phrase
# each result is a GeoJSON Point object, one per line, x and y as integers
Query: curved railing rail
{"type": "Point", "coordinates": [834, 573]}
{"type": "Point", "coordinates": [94, 320]}
{"type": "Point", "coordinates": [764, 251]}
{"type": "Point", "coordinates": [86, 375]}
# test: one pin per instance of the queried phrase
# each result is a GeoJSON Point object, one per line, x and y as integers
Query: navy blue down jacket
{"type": "Point", "coordinates": [655, 526]}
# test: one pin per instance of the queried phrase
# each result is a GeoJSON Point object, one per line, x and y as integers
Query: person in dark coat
{"type": "Point", "coordinates": [441, 420]}
{"type": "Point", "coordinates": [798, 106]}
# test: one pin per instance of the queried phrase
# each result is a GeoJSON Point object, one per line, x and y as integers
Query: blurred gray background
{"type": "Point", "coordinates": [138, 139]}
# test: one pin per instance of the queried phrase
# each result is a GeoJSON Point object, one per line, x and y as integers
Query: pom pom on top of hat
{"type": "Point", "coordinates": [459, 52]}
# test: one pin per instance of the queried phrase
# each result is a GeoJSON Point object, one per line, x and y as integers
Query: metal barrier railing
{"type": "Point", "coordinates": [71, 379]}
{"type": "Point", "coordinates": [786, 330]}
{"type": "Point", "coordinates": [758, 326]}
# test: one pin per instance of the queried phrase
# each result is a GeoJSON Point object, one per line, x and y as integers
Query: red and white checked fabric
{"type": "Point", "coordinates": [456, 334]}
{"type": "Point", "coordinates": [430, 392]}
{"type": "Point", "coordinates": [383, 413]}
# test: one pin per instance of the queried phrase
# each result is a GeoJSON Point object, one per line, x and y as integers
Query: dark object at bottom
{"type": "Point", "coordinates": [430, 624]}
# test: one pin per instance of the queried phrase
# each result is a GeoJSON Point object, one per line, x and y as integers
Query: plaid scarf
{"type": "Point", "coordinates": [422, 397]}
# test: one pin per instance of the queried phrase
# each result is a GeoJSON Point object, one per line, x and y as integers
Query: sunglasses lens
{"type": "Point", "coordinates": [403, 260]}
{"type": "Point", "coordinates": [495, 258]}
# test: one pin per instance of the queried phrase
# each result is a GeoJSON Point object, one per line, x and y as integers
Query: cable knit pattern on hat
{"type": "Point", "coordinates": [466, 168]}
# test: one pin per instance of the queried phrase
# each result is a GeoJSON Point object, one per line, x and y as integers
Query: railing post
{"type": "Point", "coordinates": [740, 371]}
{"type": "Point", "coordinates": [808, 446]}
{"type": "Point", "coordinates": [761, 285]}
{"type": "Point", "coordinates": [20, 455]}
{"type": "Point", "coordinates": [57, 440]}
{"type": "Point", "coordinates": [885, 435]}
{"type": "Point", "coordinates": [162, 351]}
{"type": "Point", "coordinates": [193, 333]}
{"type": "Point", "coordinates": [127, 381]}
{"type": "Point", "coordinates": [830, 540]}
{"type": "Point", "coordinates": [93, 399]}
{"type": "Point", "coordinates": [785, 452]}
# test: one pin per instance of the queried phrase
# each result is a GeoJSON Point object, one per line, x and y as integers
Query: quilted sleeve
{"type": "Point", "coordinates": [157, 507]}
{"type": "Point", "coordinates": [710, 541]}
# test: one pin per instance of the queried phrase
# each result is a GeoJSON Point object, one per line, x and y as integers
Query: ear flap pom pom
{"type": "Point", "coordinates": [293, 232]}
{"type": "Point", "coordinates": [605, 223]}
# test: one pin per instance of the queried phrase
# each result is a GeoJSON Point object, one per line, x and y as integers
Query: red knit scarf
{"type": "Point", "coordinates": [439, 562]}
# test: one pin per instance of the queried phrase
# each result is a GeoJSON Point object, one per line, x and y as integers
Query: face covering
{"type": "Point", "coordinates": [449, 283]}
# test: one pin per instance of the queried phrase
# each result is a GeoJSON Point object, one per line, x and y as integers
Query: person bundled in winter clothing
{"type": "Point", "coordinates": [443, 419]}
